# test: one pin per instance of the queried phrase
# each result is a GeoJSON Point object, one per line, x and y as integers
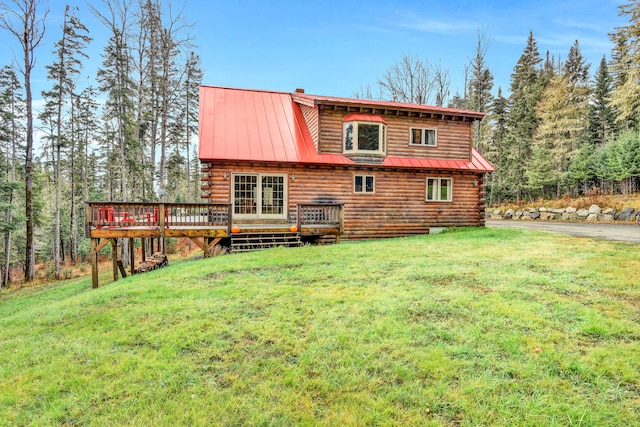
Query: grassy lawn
{"type": "Point", "coordinates": [471, 327]}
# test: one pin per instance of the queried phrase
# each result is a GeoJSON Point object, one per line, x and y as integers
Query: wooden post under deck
{"type": "Point", "coordinates": [132, 256]}
{"type": "Point", "coordinates": [161, 219]}
{"type": "Point", "coordinates": [108, 222]}
{"type": "Point", "coordinates": [114, 258]}
{"type": "Point", "coordinates": [94, 263]}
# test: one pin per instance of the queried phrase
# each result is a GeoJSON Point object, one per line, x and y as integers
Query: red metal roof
{"type": "Point", "coordinates": [477, 164]}
{"type": "Point", "coordinates": [250, 125]}
{"type": "Point", "coordinates": [263, 126]}
{"type": "Point", "coordinates": [364, 118]}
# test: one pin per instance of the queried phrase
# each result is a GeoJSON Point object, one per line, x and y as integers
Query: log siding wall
{"type": "Point", "coordinates": [311, 118]}
{"type": "Point", "coordinates": [453, 137]}
{"type": "Point", "coordinates": [396, 208]}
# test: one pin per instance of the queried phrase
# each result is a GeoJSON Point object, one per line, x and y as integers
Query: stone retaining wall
{"type": "Point", "coordinates": [594, 213]}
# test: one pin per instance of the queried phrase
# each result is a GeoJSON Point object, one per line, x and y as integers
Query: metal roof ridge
{"type": "Point", "coordinates": [401, 105]}
{"type": "Point", "coordinates": [246, 89]}
{"type": "Point", "coordinates": [336, 99]}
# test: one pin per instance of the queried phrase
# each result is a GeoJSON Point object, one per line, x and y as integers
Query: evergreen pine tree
{"type": "Point", "coordinates": [497, 150]}
{"type": "Point", "coordinates": [625, 66]}
{"type": "Point", "coordinates": [191, 93]}
{"type": "Point", "coordinates": [526, 88]}
{"type": "Point", "coordinates": [601, 116]}
{"type": "Point", "coordinates": [480, 87]}
{"type": "Point", "coordinates": [11, 132]}
{"type": "Point", "coordinates": [62, 73]}
{"type": "Point", "coordinates": [27, 25]}
{"type": "Point", "coordinates": [561, 115]}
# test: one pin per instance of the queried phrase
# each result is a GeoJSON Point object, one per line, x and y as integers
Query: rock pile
{"type": "Point", "coordinates": [594, 213]}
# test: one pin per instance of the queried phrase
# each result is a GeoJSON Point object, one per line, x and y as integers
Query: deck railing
{"type": "Point", "coordinates": [141, 214]}
{"type": "Point", "coordinates": [162, 215]}
{"type": "Point", "coordinates": [319, 215]}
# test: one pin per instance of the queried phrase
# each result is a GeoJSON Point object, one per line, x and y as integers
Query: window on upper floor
{"type": "Point", "coordinates": [439, 189]}
{"type": "Point", "coordinates": [364, 137]}
{"type": "Point", "coordinates": [363, 184]}
{"type": "Point", "coordinates": [423, 136]}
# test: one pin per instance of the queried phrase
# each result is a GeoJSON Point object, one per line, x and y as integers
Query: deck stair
{"type": "Point", "coordinates": [246, 242]}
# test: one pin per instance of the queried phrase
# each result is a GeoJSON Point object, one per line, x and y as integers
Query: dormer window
{"type": "Point", "coordinates": [365, 134]}
{"type": "Point", "coordinates": [423, 136]}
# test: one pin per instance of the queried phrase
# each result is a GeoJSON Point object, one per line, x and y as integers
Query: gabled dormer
{"type": "Point", "coordinates": [364, 138]}
{"type": "Point", "coordinates": [368, 131]}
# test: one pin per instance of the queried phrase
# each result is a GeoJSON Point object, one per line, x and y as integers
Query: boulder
{"type": "Point", "coordinates": [609, 211]}
{"type": "Point", "coordinates": [569, 216]}
{"type": "Point", "coordinates": [605, 217]}
{"type": "Point", "coordinates": [595, 209]}
{"type": "Point", "coordinates": [542, 209]}
{"type": "Point", "coordinates": [592, 217]}
{"type": "Point", "coordinates": [532, 210]}
{"type": "Point", "coordinates": [547, 216]}
{"type": "Point", "coordinates": [526, 215]}
{"type": "Point", "coordinates": [627, 214]}
{"type": "Point", "coordinates": [571, 210]}
{"type": "Point", "coordinates": [534, 215]}
{"type": "Point", "coordinates": [558, 211]}
{"type": "Point", "coordinates": [508, 214]}
{"type": "Point", "coordinates": [517, 214]}
{"type": "Point", "coordinates": [583, 213]}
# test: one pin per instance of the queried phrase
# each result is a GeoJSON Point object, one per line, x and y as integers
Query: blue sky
{"type": "Point", "coordinates": [334, 47]}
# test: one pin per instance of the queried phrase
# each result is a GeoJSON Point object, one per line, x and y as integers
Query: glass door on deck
{"type": "Point", "coordinates": [260, 196]}
{"type": "Point", "coordinates": [272, 195]}
{"type": "Point", "coordinates": [245, 196]}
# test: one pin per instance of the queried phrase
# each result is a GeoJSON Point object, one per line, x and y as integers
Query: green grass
{"type": "Point", "coordinates": [471, 327]}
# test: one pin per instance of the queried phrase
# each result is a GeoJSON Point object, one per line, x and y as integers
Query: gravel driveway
{"type": "Point", "coordinates": [621, 232]}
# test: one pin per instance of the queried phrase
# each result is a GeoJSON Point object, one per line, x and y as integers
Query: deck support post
{"type": "Point", "coordinates": [201, 245]}
{"type": "Point", "coordinates": [162, 220]}
{"type": "Point", "coordinates": [132, 256]}
{"type": "Point", "coordinates": [114, 258]}
{"type": "Point", "coordinates": [94, 263]}
{"type": "Point", "coordinates": [211, 242]}
{"type": "Point", "coordinates": [108, 222]}
{"type": "Point", "coordinates": [206, 245]}
{"type": "Point", "coordinates": [341, 224]}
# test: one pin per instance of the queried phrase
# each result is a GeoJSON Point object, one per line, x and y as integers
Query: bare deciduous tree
{"type": "Point", "coordinates": [441, 82]}
{"type": "Point", "coordinates": [408, 80]}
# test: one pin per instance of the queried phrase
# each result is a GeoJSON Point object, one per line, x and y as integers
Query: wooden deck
{"type": "Point", "coordinates": [205, 224]}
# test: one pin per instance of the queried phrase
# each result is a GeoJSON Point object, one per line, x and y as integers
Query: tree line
{"type": "Point", "coordinates": [127, 137]}
{"type": "Point", "coordinates": [561, 130]}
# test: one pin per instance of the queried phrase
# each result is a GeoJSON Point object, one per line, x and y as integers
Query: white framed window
{"type": "Point", "coordinates": [439, 189]}
{"type": "Point", "coordinates": [257, 195]}
{"type": "Point", "coordinates": [363, 184]}
{"type": "Point", "coordinates": [423, 136]}
{"type": "Point", "coordinates": [365, 137]}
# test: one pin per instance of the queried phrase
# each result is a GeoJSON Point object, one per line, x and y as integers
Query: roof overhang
{"type": "Point", "coordinates": [387, 107]}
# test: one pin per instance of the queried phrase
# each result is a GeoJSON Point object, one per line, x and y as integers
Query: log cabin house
{"type": "Point", "coordinates": [327, 166]}
{"type": "Point", "coordinates": [280, 169]}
